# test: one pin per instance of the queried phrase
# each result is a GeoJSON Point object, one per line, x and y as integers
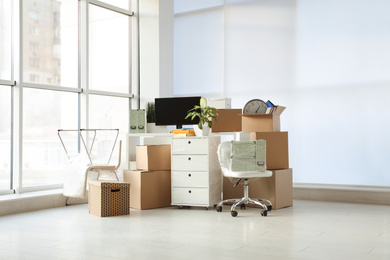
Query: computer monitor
{"type": "Point", "coordinates": [173, 110]}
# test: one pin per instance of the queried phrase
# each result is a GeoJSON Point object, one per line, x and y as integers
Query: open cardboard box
{"type": "Point", "coordinates": [262, 122]}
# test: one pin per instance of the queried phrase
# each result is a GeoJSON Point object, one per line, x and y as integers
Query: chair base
{"type": "Point", "coordinates": [264, 203]}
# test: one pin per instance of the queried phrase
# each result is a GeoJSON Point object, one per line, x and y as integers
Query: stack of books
{"type": "Point", "coordinates": [270, 107]}
{"type": "Point", "coordinates": [183, 132]}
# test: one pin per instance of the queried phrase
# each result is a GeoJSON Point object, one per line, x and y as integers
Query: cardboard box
{"type": "Point", "coordinates": [220, 103]}
{"type": "Point", "coordinates": [277, 148]}
{"type": "Point", "coordinates": [228, 120]}
{"type": "Point", "coordinates": [149, 189]}
{"type": "Point", "coordinates": [262, 122]}
{"type": "Point", "coordinates": [108, 198]}
{"type": "Point", "coordinates": [153, 157]}
{"type": "Point", "coordinates": [277, 189]}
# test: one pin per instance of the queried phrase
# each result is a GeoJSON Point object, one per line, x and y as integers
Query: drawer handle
{"type": "Point", "coordinates": [189, 158]}
{"type": "Point", "coordinates": [189, 175]}
{"type": "Point", "coordinates": [189, 191]}
{"type": "Point", "coordinates": [189, 142]}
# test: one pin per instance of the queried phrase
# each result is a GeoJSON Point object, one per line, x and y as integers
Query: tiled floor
{"type": "Point", "coordinates": [308, 230]}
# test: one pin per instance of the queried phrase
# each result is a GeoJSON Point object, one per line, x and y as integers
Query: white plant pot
{"type": "Point", "coordinates": [153, 128]}
{"type": "Point", "coordinates": [202, 132]}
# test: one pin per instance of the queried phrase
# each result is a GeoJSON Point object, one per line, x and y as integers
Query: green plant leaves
{"type": "Point", "coordinates": [204, 112]}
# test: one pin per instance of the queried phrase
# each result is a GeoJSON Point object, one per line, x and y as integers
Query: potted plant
{"type": "Point", "coordinates": [206, 114]}
{"type": "Point", "coordinates": [150, 112]}
{"type": "Point", "coordinates": [151, 120]}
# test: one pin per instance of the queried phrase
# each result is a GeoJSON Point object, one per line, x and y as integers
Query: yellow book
{"type": "Point", "coordinates": [183, 134]}
{"type": "Point", "coordinates": [181, 131]}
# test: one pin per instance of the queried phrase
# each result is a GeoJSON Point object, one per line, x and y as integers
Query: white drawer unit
{"type": "Point", "coordinates": [196, 174]}
{"type": "Point", "coordinates": [195, 162]}
{"type": "Point", "coordinates": [190, 179]}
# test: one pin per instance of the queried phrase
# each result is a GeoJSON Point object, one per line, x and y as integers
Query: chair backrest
{"type": "Point", "coordinates": [243, 156]}
{"type": "Point", "coordinates": [224, 154]}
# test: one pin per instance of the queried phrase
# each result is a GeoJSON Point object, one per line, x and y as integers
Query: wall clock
{"type": "Point", "coordinates": [255, 106]}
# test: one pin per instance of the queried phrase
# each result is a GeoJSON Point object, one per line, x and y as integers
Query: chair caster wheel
{"type": "Point", "coordinates": [234, 213]}
{"type": "Point", "coordinates": [242, 206]}
{"type": "Point", "coordinates": [269, 208]}
{"type": "Point", "coordinates": [180, 207]}
{"type": "Point", "coordinates": [264, 213]}
{"type": "Point", "coordinates": [219, 209]}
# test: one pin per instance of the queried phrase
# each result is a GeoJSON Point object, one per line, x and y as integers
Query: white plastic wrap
{"type": "Point", "coordinates": [225, 159]}
{"type": "Point", "coordinates": [75, 176]}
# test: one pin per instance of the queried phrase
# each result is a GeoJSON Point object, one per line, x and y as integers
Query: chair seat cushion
{"type": "Point", "coordinates": [244, 175]}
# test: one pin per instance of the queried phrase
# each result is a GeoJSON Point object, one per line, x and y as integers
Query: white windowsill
{"type": "Point", "coordinates": [30, 194]}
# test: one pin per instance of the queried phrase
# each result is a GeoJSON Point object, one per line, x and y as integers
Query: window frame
{"type": "Point", "coordinates": [82, 89]}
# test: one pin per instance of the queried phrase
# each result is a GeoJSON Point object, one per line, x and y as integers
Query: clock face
{"type": "Point", "coordinates": [255, 106]}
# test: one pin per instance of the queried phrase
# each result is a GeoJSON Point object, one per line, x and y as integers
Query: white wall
{"type": "Point", "coordinates": [328, 62]}
{"type": "Point", "coordinates": [199, 53]}
{"type": "Point", "coordinates": [156, 49]}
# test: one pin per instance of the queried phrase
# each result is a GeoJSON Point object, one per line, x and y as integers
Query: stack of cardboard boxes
{"type": "Point", "coordinates": [278, 188]}
{"type": "Point", "coordinates": [151, 182]}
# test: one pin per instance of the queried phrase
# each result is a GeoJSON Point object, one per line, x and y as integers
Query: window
{"type": "Point", "coordinates": [34, 62]}
{"type": "Point", "coordinates": [5, 95]}
{"type": "Point", "coordinates": [57, 41]}
{"type": "Point", "coordinates": [109, 68]}
{"type": "Point", "coordinates": [44, 112]}
{"type": "Point", "coordinates": [109, 112]}
{"type": "Point", "coordinates": [34, 31]}
{"type": "Point", "coordinates": [56, 18]}
{"type": "Point", "coordinates": [34, 78]}
{"type": "Point", "coordinates": [34, 46]}
{"type": "Point", "coordinates": [33, 16]}
{"type": "Point", "coordinates": [5, 138]}
{"type": "Point", "coordinates": [50, 91]}
{"type": "Point", "coordinates": [5, 40]}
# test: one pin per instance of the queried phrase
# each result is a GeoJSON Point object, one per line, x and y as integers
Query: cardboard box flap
{"type": "Point", "coordinates": [279, 110]}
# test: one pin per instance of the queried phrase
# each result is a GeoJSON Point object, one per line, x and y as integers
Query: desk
{"type": "Point", "coordinates": [228, 136]}
{"type": "Point", "coordinates": [132, 140]}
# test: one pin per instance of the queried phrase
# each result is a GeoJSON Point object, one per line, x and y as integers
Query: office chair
{"type": "Point", "coordinates": [244, 160]}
